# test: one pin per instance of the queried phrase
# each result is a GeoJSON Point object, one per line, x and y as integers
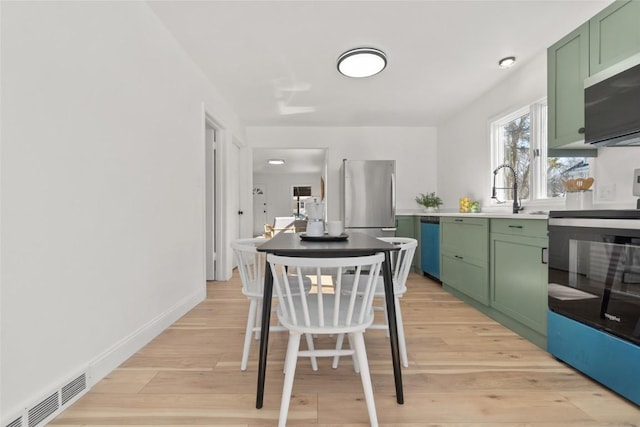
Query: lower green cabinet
{"type": "Point", "coordinates": [518, 283]}
{"type": "Point", "coordinates": [498, 265]}
{"type": "Point", "coordinates": [466, 277]}
{"type": "Point", "coordinates": [464, 264]}
{"type": "Point", "coordinates": [518, 276]}
{"type": "Point", "coordinates": [405, 226]}
{"type": "Point", "coordinates": [409, 226]}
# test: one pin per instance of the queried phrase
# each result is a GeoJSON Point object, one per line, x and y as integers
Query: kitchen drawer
{"type": "Point", "coordinates": [466, 277]}
{"type": "Point", "coordinates": [464, 220]}
{"type": "Point", "coordinates": [520, 227]}
{"type": "Point", "coordinates": [465, 237]}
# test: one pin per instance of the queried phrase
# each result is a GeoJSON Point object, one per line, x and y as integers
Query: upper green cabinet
{"type": "Point", "coordinates": [614, 35]}
{"type": "Point", "coordinates": [567, 67]}
{"type": "Point", "coordinates": [609, 37]}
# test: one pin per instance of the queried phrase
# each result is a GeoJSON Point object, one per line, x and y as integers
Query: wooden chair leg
{"type": "Point", "coordinates": [401, 339]}
{"type": "Point", "coordinates": [336, 358]}
{"type": "Point", "coordinates": [251, 319]}
{"type": "Point", "coordinates": [314, 360]}
{"type": "Point", "coordinates": [289, 372]}
{"type": "Point", "coordinates": [361, 354]}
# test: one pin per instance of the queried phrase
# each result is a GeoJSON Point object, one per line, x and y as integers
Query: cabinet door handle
{"type": "Point", "coordinates": [458, 256]}
{"type": "Point", "coordinates": [458, 220]}
{"type": "Point", "coordinates": [516, 226]}
{"type": "Point", "coordinates": [581, 130]}
{"type": "Point", "coordinates": [544, 256]}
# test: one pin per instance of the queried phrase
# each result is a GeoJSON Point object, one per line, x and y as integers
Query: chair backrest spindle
{"type": "Point", "coordinates": [401, 260]}
{"type": "Point", "coordinates": [325, 307]}
{"type": "Point", "coordinates": [250, 264]}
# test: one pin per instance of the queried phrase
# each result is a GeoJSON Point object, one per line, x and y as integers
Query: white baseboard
{"type": "Point", "coordinates": [52, 400]}
{"type": "Point", "coordinates": [128, 346]}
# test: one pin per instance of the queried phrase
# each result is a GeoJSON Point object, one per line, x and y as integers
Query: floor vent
{"type": "Point", "coordinates": [15, 423]}
{"type": "Point", "coordinates": [43, 409]}
{"type": "Point", "coordinates": [72, 389]}
{"type": "Point", "coordinates": [53, 404]}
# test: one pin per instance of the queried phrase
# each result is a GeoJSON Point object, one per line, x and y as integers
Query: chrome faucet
{"type": "Point", "coordinates": [516, 205]}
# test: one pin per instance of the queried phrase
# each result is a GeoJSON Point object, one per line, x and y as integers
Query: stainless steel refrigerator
{"type": "Point", "coordinates": [369, 196]}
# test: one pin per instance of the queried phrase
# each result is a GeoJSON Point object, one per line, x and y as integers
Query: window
{"type": "Point", "coordinates": [300, 194]}
{"type": "Point", "coordinates": [519, 140]}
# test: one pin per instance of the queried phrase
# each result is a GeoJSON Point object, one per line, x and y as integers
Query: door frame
{"type": "Point", "coordinates": [210, 193]}
{"type": "Point", "coordinates": [220, 237]}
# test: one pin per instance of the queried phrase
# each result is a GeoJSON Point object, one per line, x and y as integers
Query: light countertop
{"type": "Point", "coordinates": [540, 215]}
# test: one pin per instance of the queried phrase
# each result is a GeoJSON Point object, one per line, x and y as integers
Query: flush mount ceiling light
{"type": "Point", "coordinates": [507, 62]}
{"type": "Point", "coordinates": [362, 62]}
{"type": "Point", "coordinates": [275, 161]}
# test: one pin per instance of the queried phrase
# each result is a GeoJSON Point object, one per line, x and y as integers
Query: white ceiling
{"type": "Point", "coordinates": [273, 60]}
{"type": "Point", "coordinates": [304, 160]}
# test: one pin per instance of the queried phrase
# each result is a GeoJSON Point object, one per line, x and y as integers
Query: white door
{"type": "Point", "coordinates": [259, 208]}
{"type": "Point", "coordinates": [210, 200]}
{"type": "Point", "coordinates": [234, 194]}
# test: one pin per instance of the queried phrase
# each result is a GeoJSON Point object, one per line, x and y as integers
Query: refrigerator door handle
{"type": "Point", "coordinates": [393, 194]}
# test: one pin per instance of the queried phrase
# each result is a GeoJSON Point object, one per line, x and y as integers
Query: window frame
{"type": "Point", "coordinates": [537, 111]}
{"type": "Point", "coordinates": [497, 149]}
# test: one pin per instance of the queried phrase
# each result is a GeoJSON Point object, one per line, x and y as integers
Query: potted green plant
{"type": "Point", "coordinates": [430, 201]}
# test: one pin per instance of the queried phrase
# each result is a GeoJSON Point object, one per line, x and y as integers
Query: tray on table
{"type": "Point", "coordinates": [324, 238]}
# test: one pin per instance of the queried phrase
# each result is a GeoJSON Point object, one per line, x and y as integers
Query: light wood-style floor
{"type": "Point", "coordinates": [465, 370]}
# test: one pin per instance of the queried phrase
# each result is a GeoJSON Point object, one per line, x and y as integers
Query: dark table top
{"type": "Point", "coordinates": [358, 244]}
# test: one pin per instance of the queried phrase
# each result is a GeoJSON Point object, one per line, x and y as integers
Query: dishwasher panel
{"type": "Point", "coordinates": [430, 246]}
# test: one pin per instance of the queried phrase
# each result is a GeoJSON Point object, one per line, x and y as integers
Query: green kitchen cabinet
{"type": "Point", "coordinates": [409, 226]}
{"type": "Point", "coordinates": [567, 67]}
{"type": "Point", "coordinates": [498, 265]}
{"type": "Point", "coordinates": [464, 260]}
{"type": "Point", "coordinates": [518, 275]}
{"type": "Point", "coordinates": [608, 38]}
{"type": "Point", "coordinates": [405, 226]}
{"type": "Point", "coordinates": [614, 35]}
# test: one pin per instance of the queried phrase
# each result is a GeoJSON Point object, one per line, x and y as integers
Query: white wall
{"type": "Point", "coordinates": [102, 189]}
{"type": "Point", "coordinates": [464, 153]}
{"type": "Point", "coordinates": [414, 150]}
{"type": "Point", "coordinates": [614, 167]}
{"type": "Point", "coordinates": [463, 142]}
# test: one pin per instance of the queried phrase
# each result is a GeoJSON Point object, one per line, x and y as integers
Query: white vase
{"type": "Point", "coordinates": [429, 209]}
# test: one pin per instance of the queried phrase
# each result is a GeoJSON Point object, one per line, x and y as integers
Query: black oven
{"type": "Point", "coordinates": [594, 269]}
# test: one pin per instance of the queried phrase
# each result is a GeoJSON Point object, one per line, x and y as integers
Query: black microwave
{"type": "Point", "coordinates": [612, 108]}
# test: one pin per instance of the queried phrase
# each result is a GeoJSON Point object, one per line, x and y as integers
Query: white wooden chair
{"type": "Point", "coordinates": [325, 312]}
{"type": "Point", "coordinates": [401, 261]}
{"type": "Point", "coordinates": [251, 265]}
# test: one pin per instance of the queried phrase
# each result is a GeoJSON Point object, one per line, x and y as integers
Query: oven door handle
{"type": "Point", "coordinates": [544, 255]}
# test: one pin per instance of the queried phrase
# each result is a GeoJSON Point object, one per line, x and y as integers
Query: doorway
{"type": "Point", "coordinates": [211, 135]}
{"type": "Point", "coordinates": [259, 208]}
{"type": "Point", "coordinates": [300, 167]}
